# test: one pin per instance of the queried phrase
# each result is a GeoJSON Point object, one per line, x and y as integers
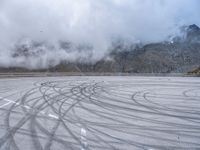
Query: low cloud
{"type": "Point", "coordinates": [93, 24]}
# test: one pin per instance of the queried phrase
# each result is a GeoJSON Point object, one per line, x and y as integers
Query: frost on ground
{"type": "Point", "coordinates": [87, 113]}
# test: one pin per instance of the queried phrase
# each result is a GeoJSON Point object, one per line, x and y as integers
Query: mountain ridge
{"type": "Point", "coordinates": [180, 55]}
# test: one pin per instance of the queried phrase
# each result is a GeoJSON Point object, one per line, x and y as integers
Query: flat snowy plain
{"type": "Point", "coordinates": [100, 113]}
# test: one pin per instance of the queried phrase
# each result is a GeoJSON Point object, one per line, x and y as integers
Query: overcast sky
{"type": "Point", "coordinates": [93, 21]}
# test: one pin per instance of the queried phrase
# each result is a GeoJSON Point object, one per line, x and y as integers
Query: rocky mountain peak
{"type": "Point", "coordinates": [193, 34]}
{"type": "Point", "coordinates": [193, 28]}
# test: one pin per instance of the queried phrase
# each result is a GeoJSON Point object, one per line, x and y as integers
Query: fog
{"type": "Point", "coordinates": [89, 25]}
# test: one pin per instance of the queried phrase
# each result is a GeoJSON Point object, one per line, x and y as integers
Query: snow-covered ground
{"type": "Point", "coordinates": [99, 113]}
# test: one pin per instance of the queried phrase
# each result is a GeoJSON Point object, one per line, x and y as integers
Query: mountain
{"type": "Point", "coordinates": [193, 34]}
{"type": "Point", "coordinates": [180, 55]}
{"type": "Point", "coordinates": [195, 72]}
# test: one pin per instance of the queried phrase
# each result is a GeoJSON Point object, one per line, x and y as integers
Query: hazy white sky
{"type": "Point", "coordinates": [93, 21]}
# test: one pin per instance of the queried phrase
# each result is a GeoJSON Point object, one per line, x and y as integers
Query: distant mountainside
{"type": "Point", "coordinates": [181, 54]}
{"type": "Point", "coordinates": [195, 72]}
